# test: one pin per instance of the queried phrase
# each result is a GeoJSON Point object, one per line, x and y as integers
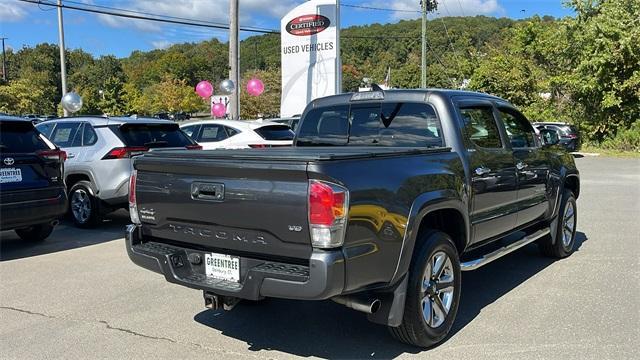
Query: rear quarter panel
{"type": "Point", "coordinates": [382, 192]}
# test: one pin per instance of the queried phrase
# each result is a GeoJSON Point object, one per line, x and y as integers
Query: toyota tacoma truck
{"type": "Point", "coordinates": [385, 197]}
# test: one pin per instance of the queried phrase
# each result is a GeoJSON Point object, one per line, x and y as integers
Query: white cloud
{"type": "Point", "coordinates": [12, 11]}
{"type": "Point", "coordinates": [409, 9]}
{"type": "Point", "coordinates": [251, 11]}
{"type": "Point", "coordinates": [161, 44]}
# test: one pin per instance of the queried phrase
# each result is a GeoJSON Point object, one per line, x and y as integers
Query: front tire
{"type": "Point", "coordinates": [565, 229]}
{"type": "Point", "coordinates": [433, 292]}
{"type": "Point", "coordinates": [84, 207]}
{"type": "Point", "coordinates": [35, 233]}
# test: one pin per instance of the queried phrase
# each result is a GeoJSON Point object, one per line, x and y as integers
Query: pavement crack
{"type": "Point", "coordinates": [28, 312]}
{"type": "Point", "coordinates": [103, 322]}
{"type": "Point", "coordinates": [131, 332]}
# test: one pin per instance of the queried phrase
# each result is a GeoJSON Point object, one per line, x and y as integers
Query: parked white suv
{"type": "Point", "coordinates": [237, 134]}
{"type": "Point", "coordinates": [99, 151]}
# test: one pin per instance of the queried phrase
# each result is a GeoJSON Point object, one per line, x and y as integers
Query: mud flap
{"type": "Point", "coordinates": [392, 309]}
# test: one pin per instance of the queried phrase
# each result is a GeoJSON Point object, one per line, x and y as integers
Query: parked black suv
{"type": "Point", "coordinates": [32, 190]}
{"type": "Point", "coordinates": [568, 135]}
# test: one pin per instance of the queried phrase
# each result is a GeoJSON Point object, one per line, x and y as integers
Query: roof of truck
{"type": "Point", "coordinates": [401, 95]}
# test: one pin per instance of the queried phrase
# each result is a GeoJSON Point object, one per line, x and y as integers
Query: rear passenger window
{"type": "Point", "coordinates": [480, 126]}
{"type": "Point", "coordinates": [325, 126]}
{"type": "Point", "coordinates": [20, 137]}
{"type": "Point", "coordinates": [519, 130]}
{"type": "Point", "coordinates": [231, 131]}
{"type": "Point", "coordinates": [212, 133]}
{"type": "Point", "coordinates": [410, 124]}
{"type": "Point", "coordinates": [191, 130]}
{"type": "Point", "coordinates": [89, 136]}
{"type": "Point", "coordinates": [365, 123]}
{"type": "Point", "coordinates": [46, 128]}
{"type": "Point", "coordinates": [64, 133]}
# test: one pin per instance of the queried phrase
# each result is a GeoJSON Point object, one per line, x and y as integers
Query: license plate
{"type": "Point", "coordinates": [8, 175]}
{"type": "Point", "coordinates": [222, 266]}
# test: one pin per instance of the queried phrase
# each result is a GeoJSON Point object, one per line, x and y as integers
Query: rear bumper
{"type": "Point", "coordinates": [16, 213]}
{"type": "Point", "coordinates": [321, 279]}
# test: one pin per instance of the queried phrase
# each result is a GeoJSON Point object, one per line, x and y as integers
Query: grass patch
{"type": "Point", "coordinates": [609, 152]}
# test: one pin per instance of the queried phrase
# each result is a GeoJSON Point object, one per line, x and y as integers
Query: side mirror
{"type": "Point", "coordinates": [549, 137]}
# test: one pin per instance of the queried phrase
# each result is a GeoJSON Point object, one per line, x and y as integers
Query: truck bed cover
{"type": "Point", "coordinates": [296, 153]}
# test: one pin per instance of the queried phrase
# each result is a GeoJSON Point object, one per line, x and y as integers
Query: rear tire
{"type": "Point", "coordinates": [35, 233]}
{"type": "Point", "coordinates": [565, 229]}
{"type": "Point", "coordinates": [433, 292]}
{"type": "Point", "coordinates": [84, 208]}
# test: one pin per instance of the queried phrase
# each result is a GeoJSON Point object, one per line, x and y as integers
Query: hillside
{"type": "Point", "coordinates": [587, 68]}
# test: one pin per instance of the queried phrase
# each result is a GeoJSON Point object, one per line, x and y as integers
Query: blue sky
{"type": "Point", "coordinates": [28, 24]}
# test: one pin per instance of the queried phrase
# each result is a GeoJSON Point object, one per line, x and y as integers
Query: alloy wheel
{"type": "Point", "coordinates": [437, 289]}
{"type": "Point", "coordinates": [81, 205]}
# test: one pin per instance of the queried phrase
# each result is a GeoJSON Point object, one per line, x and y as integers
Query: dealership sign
{"type": "Point", "coordinates": [310, 54]}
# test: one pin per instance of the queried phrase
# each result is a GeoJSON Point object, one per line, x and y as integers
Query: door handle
{"type": "Point", "coordinates": [482, 170]}
{"type": "Point", "coordinates": [71, 155]}
{"type": "Point", "coordinates": [521, 165]}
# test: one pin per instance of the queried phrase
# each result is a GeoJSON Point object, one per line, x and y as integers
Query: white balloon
{"type": "Point", "coordinates": [72, 102]}
{"type": "Point", "coordinates": [227, 86]}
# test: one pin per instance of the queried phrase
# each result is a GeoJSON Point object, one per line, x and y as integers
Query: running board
{"type": "Point", "coordinates": [477, 263]}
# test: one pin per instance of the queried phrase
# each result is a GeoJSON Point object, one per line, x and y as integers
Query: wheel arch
{"type": "Point", "coordinates": [429, 211]}
{"type": "Point", "coordinates": [572, 182]}
{"type": "Point", "coordinates": [74, 178]}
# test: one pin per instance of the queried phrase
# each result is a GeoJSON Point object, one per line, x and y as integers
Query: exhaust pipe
{"type": "Point", "coordinates": [54, 223]}
{"type": "Point", "coordinates": [368, 306]}
{"type": "Point", "coordinates": [216, 302]}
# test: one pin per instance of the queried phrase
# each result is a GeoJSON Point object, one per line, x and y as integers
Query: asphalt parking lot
{"type": "Point", "coordinates": [77, 295]}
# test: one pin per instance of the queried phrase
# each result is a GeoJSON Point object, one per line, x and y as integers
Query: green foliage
{"type": "Point", "coordinates": [625, 140]}
{"type": "Point", "coordinates": [265, 105]}
{"type": "Point", "coordinates": [583, 70]}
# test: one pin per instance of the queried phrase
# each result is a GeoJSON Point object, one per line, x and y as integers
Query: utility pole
{"type": "Point", "coordinates": [426, 6]}
{"type": "Point", "coordinates": [423, 81]}
{"type": "Point", "coordinates": [63, 64]}
{"type": "Point", "coordinates": [4, 61]}
{"type": "Point", "coordinates": [234, 59]}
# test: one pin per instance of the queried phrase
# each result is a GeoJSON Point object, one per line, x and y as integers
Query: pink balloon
{"type": "Point", "coordinates": [204, 89]}
{"type": "Point", "coordinates": [218, 110]}
{"type": "Point", "coordinates": [255, 87]}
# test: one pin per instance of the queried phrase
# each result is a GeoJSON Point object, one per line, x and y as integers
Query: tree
{"type": "Point", "coordinates": [267, 104]}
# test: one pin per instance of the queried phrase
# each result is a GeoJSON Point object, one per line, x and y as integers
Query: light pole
{"type": "Point", "coordinates": [4, 63]}
{"type": "Point", "coordinates": [426, 6]}
{"type": "Point", "coordinates": [234, 60]}
{"type": "Point", "coordinates": [63, 64]}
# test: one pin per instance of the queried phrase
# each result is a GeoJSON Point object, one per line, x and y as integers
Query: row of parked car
{"type": "Point", "coordinates": [87, 162]}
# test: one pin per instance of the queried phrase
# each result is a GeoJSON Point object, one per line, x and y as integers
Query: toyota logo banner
{"type": "Point", "coordinates": [310, 54]}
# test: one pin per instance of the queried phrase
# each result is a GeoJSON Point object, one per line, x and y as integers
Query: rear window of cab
{"type": "Point", "coordinates": [395, 124]}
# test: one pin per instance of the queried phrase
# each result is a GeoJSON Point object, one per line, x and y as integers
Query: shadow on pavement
{"type": "Point", "coordinates": [64, 237]}
{"type": "Point", "coordinates": [328, 330]}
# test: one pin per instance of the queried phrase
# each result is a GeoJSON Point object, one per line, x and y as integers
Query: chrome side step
{"type": "Point", "coordinates": [477, 263]}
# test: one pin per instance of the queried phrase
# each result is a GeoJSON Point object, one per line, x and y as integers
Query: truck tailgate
{"type": "Point", "coordinates": [246, 207]}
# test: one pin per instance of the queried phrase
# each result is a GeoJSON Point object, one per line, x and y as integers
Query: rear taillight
{"type": "Point", "coordinates": [55, 154]}
{"type": "Point", "coordinates": [194, 147]}
{"type": "Point", "coordinates": [328, 207]}
{"type": "Point", "coordinates": [257, 146]}
{"type": "Point", "coordinates": [133, 205]}
{"type": "Point", "coordinates": [124, 152]}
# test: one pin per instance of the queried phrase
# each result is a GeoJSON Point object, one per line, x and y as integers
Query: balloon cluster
{"type": "Point", "coordinates": [204, 89]}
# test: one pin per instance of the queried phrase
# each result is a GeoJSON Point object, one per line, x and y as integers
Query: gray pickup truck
{"type": "Point", "coordinates": [383, 200]}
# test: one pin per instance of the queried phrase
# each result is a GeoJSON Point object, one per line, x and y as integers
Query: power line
{"type": "Point", "coordinates": [155, 15]}
{"type": "Point", "coordinates": [379, 8]}
{"type": "Point", "coordinates": [149, 18]}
